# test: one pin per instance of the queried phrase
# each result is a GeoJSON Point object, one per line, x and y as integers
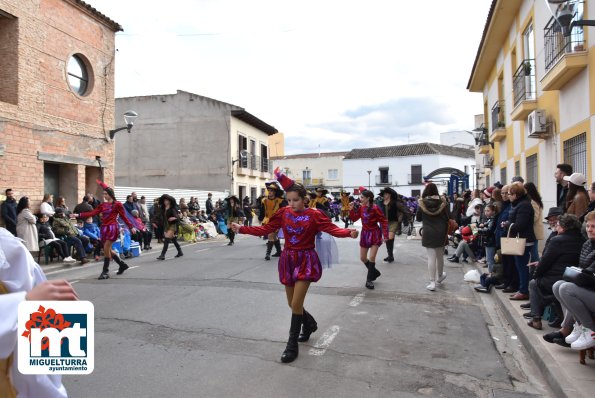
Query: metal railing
{"type": "Point", "coordinates": [415, 179]}
{"type": "Point", "coordinates": [556, 45]}
{"type": "Point", "coordinates": [498, 115]}
{"type": "Point", "coordinates": [384, 179]}
{"type": "Point", "coordinates": [523, 82]}
{"type": "Point", "coordinates": [483, 138]}
{"type": "Point", "coordinates": [255, 163]}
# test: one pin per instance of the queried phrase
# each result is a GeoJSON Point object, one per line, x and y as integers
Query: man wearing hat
{"type": "Point", "coordinates": [268, 207]}
{"type": "Point", "coordinates": [345, 207]}
{"type": "Point", "coordinates": [393, 210]}
{"type": "Point", "coordinates": [320, 201]}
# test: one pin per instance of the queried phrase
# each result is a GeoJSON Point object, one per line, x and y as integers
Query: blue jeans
{"type": "Point", "coordinates": [535, 252]}
{"type": "Point", "coordinates": [78, 245]}
{"type": "Point", "coordinates": [490, 253]}
{"type": "Point", "coordinates": [523, 271]}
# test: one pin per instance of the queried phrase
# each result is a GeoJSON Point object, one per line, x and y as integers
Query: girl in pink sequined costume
{"type": "Point", "coordinates": [110, 209]}
{"type": "Point", "coordinates": [374, 227]}
{"type": "Point", "coordinates": [299, 264]}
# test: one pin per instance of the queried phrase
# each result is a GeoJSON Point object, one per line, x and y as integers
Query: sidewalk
{"type": "Point", "coordinates": [560, 366]}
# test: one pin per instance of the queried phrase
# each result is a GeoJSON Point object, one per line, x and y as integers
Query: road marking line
{"type": "Point", "coordinates": [75, 281]}
{"type": "Point", "coordinates": [136, 266]}
{"type": "Point", "coordinates": [357, 300]}
{"type": "Point", "coordinates": [325, 341]}
{"type": "Point", "coordinates": [200, 250]}
{"type": "Point", "coordinates": [69, 269]}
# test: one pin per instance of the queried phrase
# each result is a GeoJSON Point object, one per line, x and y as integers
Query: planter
{"type": "Point", "coordinates": [579, 47]}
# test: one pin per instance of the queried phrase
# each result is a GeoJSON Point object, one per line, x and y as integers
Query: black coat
{"type": "Point", "coordinates": [562, 251]}
{"type": "Point", "coordinates": [209, 206]}
{"type": "Point", "coordinates": [433, 213]}
{"type": "Point", "coordinates": [521, 215]}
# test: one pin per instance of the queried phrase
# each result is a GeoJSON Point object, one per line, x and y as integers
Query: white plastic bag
{"type": "Point", "coordinates": [472, 276]}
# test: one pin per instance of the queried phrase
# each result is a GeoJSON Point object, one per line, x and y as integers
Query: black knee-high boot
{"type": "Point", "coordinates": [122, 264]}
{"type": "Point", "coordinates": [369, 276]}
{"type": "Point", "coordinates": [269, 249]}
{"type": "Point", "coordinates": [292, 349]}
{"type": "Point", "coordinates": [177, 245]}
{"type": "Point", "coordinates": [164, 250]}
{"type": "Point", "coordinates": [309, 326]}
{"type": "Point", "coordinates": [278, 248]}
{"type": "Point", "coordinates": [105, 271]}
{"type": "Point", "coordinates": [374, 272]}
{"type": "Point", "coordinates": [230, 235]}
{"type": "Point", "coordinates": [390, 244]}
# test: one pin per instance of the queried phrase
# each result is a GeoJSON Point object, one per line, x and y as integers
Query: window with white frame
{"type": "Point", "coordinates": [333, 174]}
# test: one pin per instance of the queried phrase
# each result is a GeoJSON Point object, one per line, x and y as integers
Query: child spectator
{"type": "Point", "coordinates": [487, 233]}
{"type": "Point", "coordinates": [467, 245]}
{"type": "Point", "coordinates": [91, 231]}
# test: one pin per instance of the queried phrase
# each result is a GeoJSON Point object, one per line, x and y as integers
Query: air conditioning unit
{"type": "Point", "coordinates": [536, 124]}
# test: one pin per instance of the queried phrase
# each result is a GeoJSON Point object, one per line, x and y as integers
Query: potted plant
{"type": "Point", "coordinates": [579, 47]}
{"type": "Point", "coordinates": [527, 67]}
{"type": "Point", "coordinates": [501, 124]}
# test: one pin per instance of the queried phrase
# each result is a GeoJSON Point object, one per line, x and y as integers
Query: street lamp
{"type": "Point", "coordinates": [480, 136]}
{"type": "Point", "coordinates": [129, 118]}
{"type": "Point", "coordinates": [565, 14]}
{"type": "Point", "coordinates": [474, 176]}
{"type": "Point", "coordinates": [243, 155]}
{"type": "Point", "coordinates": [369, 172]}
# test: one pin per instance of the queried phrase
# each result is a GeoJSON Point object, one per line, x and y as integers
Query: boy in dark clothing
{"type": "Point", "coordinates": [487, 232]}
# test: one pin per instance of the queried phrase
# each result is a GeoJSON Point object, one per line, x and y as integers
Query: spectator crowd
{"type": "Point", "coordinates": [541, 274]}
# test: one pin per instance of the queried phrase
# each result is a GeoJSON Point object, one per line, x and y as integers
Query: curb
{"type": "Point", "coordinates": [554, 362]}
{"type": "Point", "coordinates": [547, 364]}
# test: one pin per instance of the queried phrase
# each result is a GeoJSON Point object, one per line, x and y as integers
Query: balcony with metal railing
{"type": "Point", "coordinates": [483, 143]}
{"type": "Point", "coordinates": [255, 166]}
{"type": "Point", "coordinates": [498, 128]}
{"type": "Point", "coordinates": [524, 90]}
{"type": "Point", "coordinates": [565, 55]}
{"type": "Point", "coordinates": [384, 179]}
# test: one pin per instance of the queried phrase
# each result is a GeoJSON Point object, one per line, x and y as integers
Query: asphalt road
{"type": "Point", "coordinates": [215, 322]}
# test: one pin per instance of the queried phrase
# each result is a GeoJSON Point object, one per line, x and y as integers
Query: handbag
{"type": "Point", "coordinates": [512, 246]}
{"type": "Point", "coordinates": [580, 277]}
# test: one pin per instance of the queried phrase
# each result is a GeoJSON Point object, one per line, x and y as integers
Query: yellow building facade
{"type": "Point", "coordinates": [535, 67]}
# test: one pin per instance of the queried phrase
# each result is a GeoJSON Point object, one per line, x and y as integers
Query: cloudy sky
{"type": "Point", "coordinates": [330, 74]}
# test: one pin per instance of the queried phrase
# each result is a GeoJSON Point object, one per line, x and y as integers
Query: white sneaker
{"type": "Point", "coordinates": [576, 333]}
{"type": "Point", "coordinates": [585, 340]}
{"type": "Point", "coordinates": [69, 260]}
{"type": "Point", "coordinates": [441, 278]}
{"type": "Point", "coordinates": [431, 286]}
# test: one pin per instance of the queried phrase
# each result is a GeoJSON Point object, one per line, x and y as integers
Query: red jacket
{"type": "Point", "coordinates": [370, 219]}
{"type": "Point", "coordinates": [109, 213]}
{"type": "Point", "coordinates": [299, 228]}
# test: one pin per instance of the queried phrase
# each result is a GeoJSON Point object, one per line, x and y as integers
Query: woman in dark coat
{"type": "Point", "coordinates": [520, 222]}
{"type": "Point", "coordinates": [562, 250]}
{"type": "Point", "coordinates": [433, 213]}
{"type": "Point", "coordinates": [389, 207]}
{"type": "Point", "coordinates": [171, 219]}
{"type": "Point", "coordinates": [510, 278]}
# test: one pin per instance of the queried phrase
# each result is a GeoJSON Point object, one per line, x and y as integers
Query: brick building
{"type": "Point", "coordinates": [56, 98]}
